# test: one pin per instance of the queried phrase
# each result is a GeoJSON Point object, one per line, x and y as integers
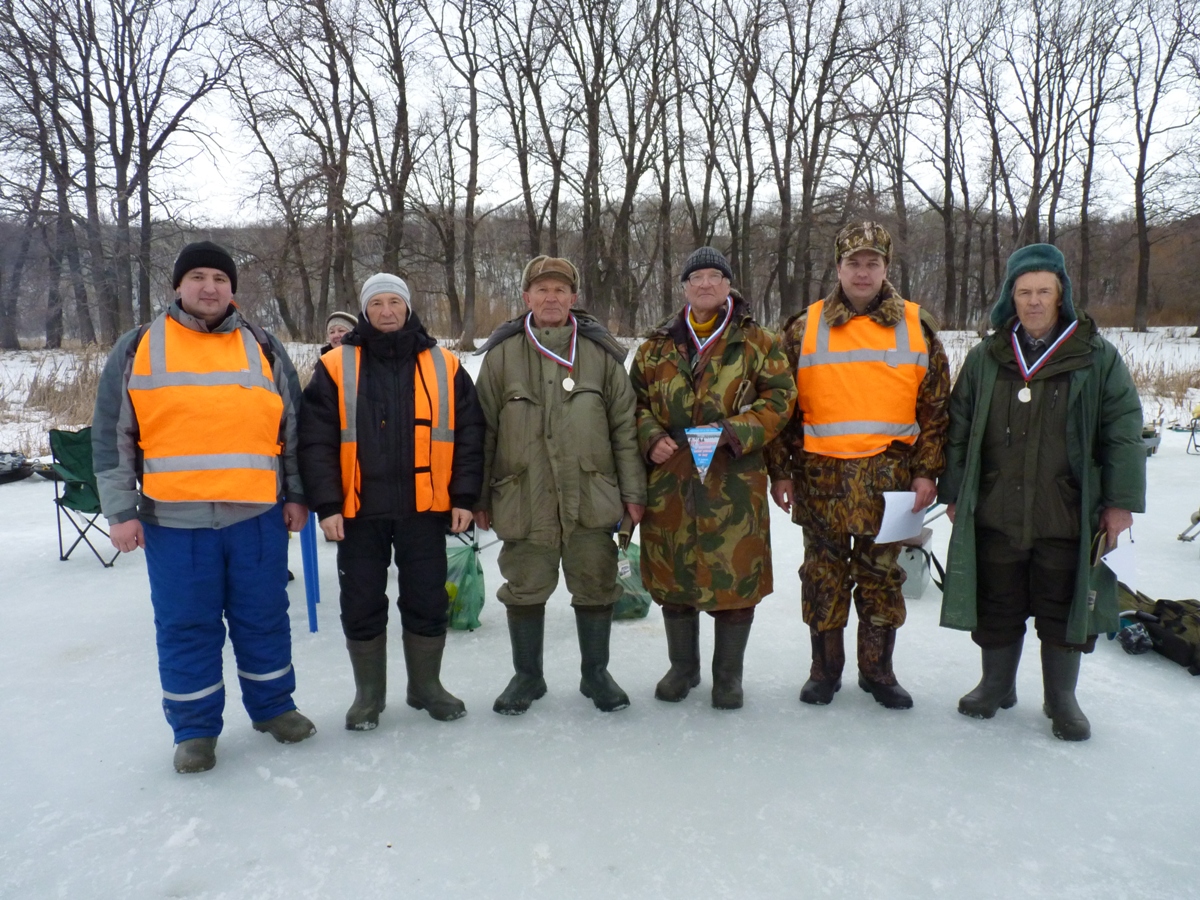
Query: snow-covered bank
{"type": "Point", "coordinates": [660, 800]}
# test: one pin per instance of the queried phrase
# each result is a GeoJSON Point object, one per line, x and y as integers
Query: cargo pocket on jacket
{"type": "Point", "coordinates": [599, 497]}
{"type": "Point", "coordinates": [511, 516]}
{"type": "Point", "coordinates": [1060, 510]}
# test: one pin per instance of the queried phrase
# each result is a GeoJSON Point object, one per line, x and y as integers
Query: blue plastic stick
{"type": "Point", "coordinates": [308, 552]}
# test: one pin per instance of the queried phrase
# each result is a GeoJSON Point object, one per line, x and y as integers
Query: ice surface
{"type": "Point", "coordinates": [660, 800]}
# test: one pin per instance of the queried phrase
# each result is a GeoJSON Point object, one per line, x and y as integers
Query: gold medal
{"type": "Point", "coordinates": [1025, 394]}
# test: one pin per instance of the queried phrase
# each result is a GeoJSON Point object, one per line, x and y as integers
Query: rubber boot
{"type": "Point", "coordinates": [875, 676]}
{"type": "Point", "coordinates": [828, 660]}
{"type": "Point", "coordinates": [290, 727]}
{"type": "Point", "coordinates": [683, 649]}
{"type": "Point", "coordinates": [998, 687]}
{"type": "Point", "coordinates": [423, 660]}
{"type": "Point", "coordinates": [1060, 674]}
{"type": "Point", "coordinates": [594, 624]}
{"type": "Point", "coordinates": [368, 659]}
{"type": "Point", "coordinates": [195, 755]}
{"type": "Point", "coordinates": [526, 628]}
{"type": "Point", "coordinates": [731, 630]}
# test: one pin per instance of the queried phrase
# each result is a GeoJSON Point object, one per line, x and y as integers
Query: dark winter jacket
{"type": "Point", "coordinates": [385, 428]}
{"type": "Point", "coordinates": [1105, 454]}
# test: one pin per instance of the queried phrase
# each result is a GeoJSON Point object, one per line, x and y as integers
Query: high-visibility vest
{"type": "Point", "coordinates": [433, 425]}
{"type": "Point", "coordinates": [208, 414]}
{"type": "Point", "coordinates": [858, 383]}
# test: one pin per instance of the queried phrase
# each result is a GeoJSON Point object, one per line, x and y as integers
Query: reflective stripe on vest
{"type": "Point", "coordinates": [208, 414]}
{"type": "Point", "coordinates": [433, 425]}
{"type": "Point", "coordinates": [858, 383]}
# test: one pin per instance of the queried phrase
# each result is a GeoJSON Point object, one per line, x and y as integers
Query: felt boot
{"type": "Point", "coordinates": [731, 631]}
{"type": "Point", "coordinates": [368, 659]}
{"type": "Point", "coordinates": [526, 628]}
{"type": "Point", "coordinates": [683, 649]}
{"type": "Point", "coordinates": [1060, 674]}
{"type": "Point", "coordinates": [875, 646]}
{"type": "Point", "coordinates": [998, 687]}
{"type": "Point", "coordinates": [828, 660]}
{"type": "Point", "coordinates": [423, 660]}
{"type": "Point", "coordinates": [594, 624]}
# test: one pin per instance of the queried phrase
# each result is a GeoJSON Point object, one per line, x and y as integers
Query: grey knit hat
{"type": "Point", "coordinates": [383, 283]}
{"type": "Point", "coordinates": [706, 258]}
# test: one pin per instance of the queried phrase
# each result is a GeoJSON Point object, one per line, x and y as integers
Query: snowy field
{"type": "Point", "coordinates": [660, 800]}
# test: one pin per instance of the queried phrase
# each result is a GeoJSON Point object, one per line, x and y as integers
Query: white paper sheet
{"type": "Point", "coordinates": [899, 520]}
{"type": "Point", "coordinates": [1122, 562]}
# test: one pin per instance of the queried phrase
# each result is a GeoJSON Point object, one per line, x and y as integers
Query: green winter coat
{"type": "Point", "coordinates": [708, 544]}
{"type": "Point", "coordinates": [1107, 460]}
{"type": "Point", "coordinates": [556, 459]}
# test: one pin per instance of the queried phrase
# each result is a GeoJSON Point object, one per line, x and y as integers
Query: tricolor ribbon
{"type": "Point", "coordinates": [1027, 372]}
{"type": "Point", "coordinates": [701, 347]}
{"type": "Point", "coordinates": [568, 364]}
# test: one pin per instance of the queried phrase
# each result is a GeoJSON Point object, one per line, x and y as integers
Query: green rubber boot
{"type": "Point", "coordinates": [998, 687]}
{"type": "Point", "coordinates": [423, 660]}
{"type": "Point", "coordinates": [368, 659]}
{"type": "Point", "coordinates": [526, 630]}
{"type": "Point", "coordinates": [1060, 674]}
{"type": "Point", "coordinates": [594, 624]}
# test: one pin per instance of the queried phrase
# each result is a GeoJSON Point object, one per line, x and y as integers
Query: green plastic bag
{"type": "Point", "coordinates": [634, 602]}
{"type": "Point", "coordinates": [464, 585]}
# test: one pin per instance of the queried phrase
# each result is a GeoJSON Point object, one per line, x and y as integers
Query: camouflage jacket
{"type": "Point", "coordinates": [844, 496]}
{"type": "Point", "coordinates": [707, 544]}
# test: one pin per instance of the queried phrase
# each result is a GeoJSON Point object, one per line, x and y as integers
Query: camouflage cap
{"type": "Point", "coordinates": [862, 236]}
{"type": "Point", "coordinates": [543, 266]}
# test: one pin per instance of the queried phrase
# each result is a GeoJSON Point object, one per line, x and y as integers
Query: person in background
{"type": "Point", "coordinates": [391, 448]}
{"type": "Point", "coordinates": [1045, 466]}
{"type": "Point", "coordinates": [337, 326]}
{"type": "Point", "coordinates": [194, 448]}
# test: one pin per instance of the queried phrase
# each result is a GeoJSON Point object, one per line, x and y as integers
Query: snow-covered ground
{"type": "Point", "coordinates": [778, 799]}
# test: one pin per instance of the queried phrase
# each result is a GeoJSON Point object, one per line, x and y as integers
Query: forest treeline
{"type": "Point", "coordinates": [450, 141]}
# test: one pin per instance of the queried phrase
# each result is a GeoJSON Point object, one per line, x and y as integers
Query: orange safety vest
{"type": "Point", "coordinates": [208, 413]}
{"type": "Point", "coordinates": [858, 383]}
{"type": "Point", "coordinates": [433, 425]}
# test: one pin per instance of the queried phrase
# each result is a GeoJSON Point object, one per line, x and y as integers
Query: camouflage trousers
{"type": "Point", "coordinates": [833, 564]}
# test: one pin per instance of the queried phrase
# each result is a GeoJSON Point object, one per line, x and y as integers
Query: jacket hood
{"type": "Point", "coordinates": [1033, 258]}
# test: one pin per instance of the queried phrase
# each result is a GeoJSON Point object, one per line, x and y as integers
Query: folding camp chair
{"type": "Point", "coordinates": [75, 492]}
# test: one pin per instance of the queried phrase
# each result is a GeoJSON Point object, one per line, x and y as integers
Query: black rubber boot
{"type": "Point", "coordinates": [875, 675]}
{"type": "Point", "coordinates": [731, 631]}
{"type": "Point", "coordinates": [594, 624]}
{"type": "Point", "coordinates": [290, 727]}
{"type": "Point", "coordinates": [828, 660]}
{"type": "Point", "coordinates": [368, 659]}
{"type": "Point", "coordinates": [1060, 674]}
{"type": "Point", "coordinates": [195, 755]}
{"type": "Point", "coordinates": [998, 687]}
{"type": "Point", "coordinates": [526, 628]}
{"type": "Point", "coordinates": [683, 649]}
{"type": "Point", "coordinates": [423, 660]}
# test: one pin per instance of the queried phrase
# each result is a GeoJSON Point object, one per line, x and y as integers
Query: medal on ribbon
{"type": "Point", "coordinates": [568, 383]}
{"type": "Point", "coordinates": [702, 346]}
{"type": "Point", "coordinates": [1027, 371]}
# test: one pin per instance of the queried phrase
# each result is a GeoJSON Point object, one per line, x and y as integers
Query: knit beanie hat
{"type": "Point", "coordinates": [706, 258]}
{"type": "Point", "coordinates": [204, 255]}
{"type": "Point", "coordinates": [383, 283]}
{"type": "Point", "coordinates": [1033, 258]}
{"type": "Point", "coordinates": [342, 316]}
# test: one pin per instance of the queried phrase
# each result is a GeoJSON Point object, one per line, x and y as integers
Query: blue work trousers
{"type": "Point", "coordinates": [199, 579]}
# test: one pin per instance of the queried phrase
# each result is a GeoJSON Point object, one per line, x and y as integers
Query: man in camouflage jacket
{"type": "Point", "coordinates": [836, 494]}
{"type": "Point", "coordinates": [706, 541]}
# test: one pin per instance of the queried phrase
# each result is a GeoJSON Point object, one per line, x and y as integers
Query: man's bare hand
{"type": "Point", "coordinates": [295, 516]}
{"type": "Point", "coordinates": [1113, 521]}
{"type": "Point", "coordinates": [483, 519]}
{"type": "Point", "coordinates": [334, 527]}
{"type": "Point", "coordinates": [926, 491]}
{"type": "Point", "coordinates": [783, 492]}
{"type": "Point", "coordinates": [460, 520]}
{"type": "Point", "coordinates": [635, 511]}
{"type": "Point", "coordinates": [127, 536]}
{"type": "Point", "coordinates": [663, 450]}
